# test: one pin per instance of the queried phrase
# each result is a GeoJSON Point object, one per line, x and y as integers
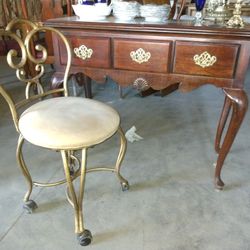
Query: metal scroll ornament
{"type": "Point", "coordinates": [204, 60]}
{"type": "Point", "coordinates": [140, 55]}
{"type": "Point", "coordinates": [83, 52]}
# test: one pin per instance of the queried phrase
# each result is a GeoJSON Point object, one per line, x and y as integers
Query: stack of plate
{"type": "Point", "coordinates": [155, 13]}
{"type": "Point", "coordinates": [126, 10]}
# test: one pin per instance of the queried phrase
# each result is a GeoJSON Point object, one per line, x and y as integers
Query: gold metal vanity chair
{"type": "Point", "coordinates": [65, 124]}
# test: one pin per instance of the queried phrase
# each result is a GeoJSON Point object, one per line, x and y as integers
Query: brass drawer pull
{"type": "Point", "coordinates": [140, 55]}
{"type": "Point", "coordinates": [83, 52]}
{"type": "Point", "coordinates": [204, 60]}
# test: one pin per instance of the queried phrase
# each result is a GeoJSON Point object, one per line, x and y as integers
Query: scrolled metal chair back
{"type": "Point", "coordinates": [18, 61]}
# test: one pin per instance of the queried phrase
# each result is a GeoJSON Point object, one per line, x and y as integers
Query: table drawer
{"type": "Point", "coordinates": [89, 52]}
{"type": "Point", "coordinates": [137, 55]}
{"type": "Point", "coordinates": [206, 59]}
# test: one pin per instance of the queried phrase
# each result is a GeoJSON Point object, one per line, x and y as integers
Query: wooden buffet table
{"type": "Point", "coordinates": [160, 55]}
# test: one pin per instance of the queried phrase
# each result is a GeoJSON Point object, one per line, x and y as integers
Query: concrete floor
{"type": "Point", "coordinates": [171, 204]}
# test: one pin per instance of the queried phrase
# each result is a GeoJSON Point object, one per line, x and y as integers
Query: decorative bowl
{"type": "Point", "coordinates": [98, 11]}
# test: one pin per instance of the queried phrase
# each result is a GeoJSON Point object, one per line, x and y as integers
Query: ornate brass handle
{"type": "Point", "coordinates": [205, 59]}
{"type": "Point", "coordinates": [83, 52]}
{"type": "Point", "coordinates": [140, 55]}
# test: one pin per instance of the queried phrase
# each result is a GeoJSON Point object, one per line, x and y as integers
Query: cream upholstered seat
{"type": "Point", "coordinates": [65, 124]}
{"type": "Point", "coordinates": [68, 123]}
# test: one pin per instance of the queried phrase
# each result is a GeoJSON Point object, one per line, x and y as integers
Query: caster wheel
{"type": "Point", "coordinates": [125, 186]}
{"type": "Point", "coordinates": [29, 206]}
{"type": "Point", "coordinates": [84, 238]}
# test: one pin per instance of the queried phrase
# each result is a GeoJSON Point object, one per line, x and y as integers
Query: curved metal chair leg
{"type": "Point", "coordinates": [123, 147]}
{"type": "Point", "coordinates": [29, 205]}
{"type": "Point", "coordinates": [83, 235]}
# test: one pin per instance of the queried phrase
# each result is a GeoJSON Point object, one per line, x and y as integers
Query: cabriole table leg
{"type": "Point", "coordinates": [221, 125]}
{"type": "Point", "coordinates": [239, 104]}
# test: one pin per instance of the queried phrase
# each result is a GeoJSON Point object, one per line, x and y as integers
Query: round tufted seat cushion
{"type": "Point", "coordinates": [68, 123]}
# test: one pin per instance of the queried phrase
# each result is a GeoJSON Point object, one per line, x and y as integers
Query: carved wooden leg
{"type": "Point", "coordinates": [239, 103]}
{"type": "Point", "coordinates": [85, 81]}
{"type": "Point", "coordinates": [87, 87]}
{"type": "Point", "coordinates": [57, 80]}
{"type": "Point", "coordinates": [222, 122]}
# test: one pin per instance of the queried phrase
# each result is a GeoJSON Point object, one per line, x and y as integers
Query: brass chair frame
{"type": "Point", "coordinates": [68, 156]}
